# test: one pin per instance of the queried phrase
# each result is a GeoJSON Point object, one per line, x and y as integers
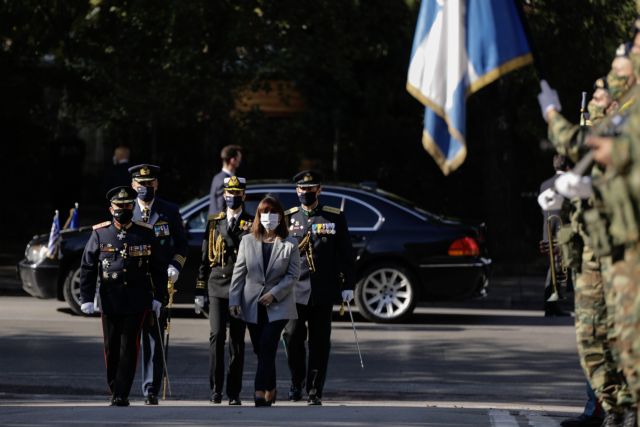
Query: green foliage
{"type": "Point", "coordinates": [162, 76]}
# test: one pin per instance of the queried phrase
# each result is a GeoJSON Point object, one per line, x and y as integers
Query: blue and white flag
{"type": "Point", "coordinates": [54, 237]}
{"type": "Point", "coordinates": [72, 221]}
{"type": "Point", "coordinates": [459, 47]}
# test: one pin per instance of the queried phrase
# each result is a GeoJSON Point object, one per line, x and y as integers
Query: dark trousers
{"type": "Point", "coordinates": [218, 319]}
{"type": "Point", "coordinates": [121, 337]}
{"type": "Point", "coordinates": [316, 321]}
{"type": "Point", "coordinates": [265, 337]}
{"type": "Point", "coordinates": [152, 357]}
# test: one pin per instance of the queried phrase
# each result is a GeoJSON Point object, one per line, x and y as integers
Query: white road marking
{"type": "Point", "coordinates": [501, 418]}
{"type": "Point", "coordinates": [538, 420]}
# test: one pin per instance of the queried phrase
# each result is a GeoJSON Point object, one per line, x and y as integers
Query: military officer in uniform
{"type": "Point", "coordinates": [219, 250]}
{"type": "Point", "coordinates": [326, 277]}
{"type": "Point", "coordinates": [121, 255]}
{"type": "Point", "coordinates": [166, 223]}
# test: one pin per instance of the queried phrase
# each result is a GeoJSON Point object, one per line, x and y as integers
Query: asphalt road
{"type": "Point", "coordinates": [448, 367]}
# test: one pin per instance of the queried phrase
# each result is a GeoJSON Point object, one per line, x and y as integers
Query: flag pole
{"type": "Point", "coordinates": [537, 63]}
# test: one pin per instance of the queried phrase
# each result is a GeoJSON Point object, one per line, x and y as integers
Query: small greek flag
{"type": "Point", "coordinates": [459, 47]}
{"type": "Point", "coordinates": [72, 220]}
{"type": "Point", "coordinates": [54, 236]}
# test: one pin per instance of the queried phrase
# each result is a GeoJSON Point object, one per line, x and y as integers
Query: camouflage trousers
{"type": "Point", "coordinates": [626, 278]}
{"type": "Point", "coordinates": [594, 308]}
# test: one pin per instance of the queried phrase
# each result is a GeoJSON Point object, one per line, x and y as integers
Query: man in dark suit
{"type": "Point", "coordinates": [118, 174]}
{"type": "Point", "coordinates": [166, 222]}
{"type": "Point", "coordinates": [231, 156]}
{"type": "Point", "coordinates": [326, 277]}
{"type": "Point", "coordinates": [123, 256]}
{"type": "Point", "coordinates": [220, 246]}
{"type": "Point", "coordinates": [561, 164]}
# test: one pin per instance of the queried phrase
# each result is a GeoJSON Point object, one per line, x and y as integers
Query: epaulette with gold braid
{"type": "Point", "coordinates": [102, 225]}
{"type": "Point", "coordinates": [292, 210]}
{"type": "Point", "coordinates": [331, 209]}
{"type": "Point", "coordinates": [216, 216]}
{"type": "Point", "coordinates": [143, 224]}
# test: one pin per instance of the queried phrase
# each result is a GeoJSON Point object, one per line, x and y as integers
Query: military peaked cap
{"type": "Point", "coordinates": [235, 183]}
{"type": "Point", "coordinates": [308, 178]}
{"type": "Point", "coordinates": [144, 172]}
{"type": "Point", "coordinates": [121, 195]}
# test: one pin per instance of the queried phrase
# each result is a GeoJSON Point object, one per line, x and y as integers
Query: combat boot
{"type": "Point", "coordinates": [629, 418]}
{"type": "Point", "coordinates": [612, 419]}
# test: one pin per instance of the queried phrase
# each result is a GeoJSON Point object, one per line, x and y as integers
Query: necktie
{"type": "Point", "coordinates": [145, 214]}
{"type": "Point", "coordinates": [232, 223]}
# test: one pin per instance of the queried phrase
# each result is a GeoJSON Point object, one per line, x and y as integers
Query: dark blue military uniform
{"type": "Point", "coordinates": [121, 259]}
{"type": "Point", "coordinates": [219, 250]}
{"type": "Point", "coordinates": [166, 222]}
{"type": "Point", "coordinates": [326, 269]}
{"type": "Point", "coordinates": [214, 278]}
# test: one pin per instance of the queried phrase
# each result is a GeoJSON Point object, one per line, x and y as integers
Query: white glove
{"type": "Point", "coordinates": [548, 99]}
{"type": "Point", "coordinates": [198, 303]}
{"type": "Point", "coordinates": [173, 274]}
{"type": "Point", "coordinates": [347, 295]}
{"type": "Point", "coordinates": [550, 200]}
{"type": "Point", "coordinates": [156, 306]}
{"type": "Point", "coordinates": [573, 185]}
{"type": "Point", "coordinates": [87, 308]}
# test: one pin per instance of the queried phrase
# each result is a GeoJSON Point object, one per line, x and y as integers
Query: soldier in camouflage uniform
{"type": "Point", "coordinates": [620, 223]}
{"type": "Point", "coordinates": [591, 315]}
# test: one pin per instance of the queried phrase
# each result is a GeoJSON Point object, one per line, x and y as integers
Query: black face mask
{"type": "Point", "coordinates": [308, 198]}
{"type": "Point", "coordinates": [233, 202]}
{"type": "Point", "coordinates": [123, 216]}
{"type": "Point", "coordinates": [145, 193]}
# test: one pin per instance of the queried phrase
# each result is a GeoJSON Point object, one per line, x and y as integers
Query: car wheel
{"type": "Point", "coordinates": [71, 289]}
{"type": "Point", "coordinates": [386, 293]}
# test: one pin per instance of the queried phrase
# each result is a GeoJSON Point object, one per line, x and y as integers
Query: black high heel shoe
{"type": "Point", "coordinates": [274, 395]}
{"type": "Point", "coordinates": [261, 401]}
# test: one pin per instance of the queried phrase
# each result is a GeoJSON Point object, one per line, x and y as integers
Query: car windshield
{"type": "Point", "coordinates": [405, 203]}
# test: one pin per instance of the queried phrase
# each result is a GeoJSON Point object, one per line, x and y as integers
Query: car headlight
{"type": "Point", "coordinates": [36, 253]}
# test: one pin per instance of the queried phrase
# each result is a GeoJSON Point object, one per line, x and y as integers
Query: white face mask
{"type": "Point", "coordinates": [269, 220]}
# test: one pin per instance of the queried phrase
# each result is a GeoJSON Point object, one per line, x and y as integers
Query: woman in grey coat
{"type": "Point", "coordinates": [261, 292]}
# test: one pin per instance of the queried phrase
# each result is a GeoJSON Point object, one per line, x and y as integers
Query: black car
{"type": "Point", "coordinates": [403, 254]}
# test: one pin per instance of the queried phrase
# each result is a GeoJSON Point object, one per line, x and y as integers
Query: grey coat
{"type": "Point", "coordinates": [249, 281]}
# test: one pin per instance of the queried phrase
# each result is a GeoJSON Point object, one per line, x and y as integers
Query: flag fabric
{"type": "Point", "coordinates": [54, 237]}
{"type": "Point", "coordinates": [459, 47]}
{"type": "Point", "coordinates": [72, 221]}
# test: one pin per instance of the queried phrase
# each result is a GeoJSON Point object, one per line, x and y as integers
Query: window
{"type": "Point", "coordinates": [359, 215]}
{"type": "Point", "coordinates": [286, 199]}
{"type": "Point", "coordinates": [198, 220]}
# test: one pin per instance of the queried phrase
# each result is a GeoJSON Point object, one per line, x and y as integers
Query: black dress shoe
{"type": "Point", "coordinates": [314, 400]}
{"type": "Point", "coordinates": [582, 421]}
{"type": "Point", "coordinates": [119, 401]}
{"type": "Point", "coordinates": [261, 401]}
{"type": "Point", "coordinates": [235, 401]}
{"type": "Point", "coordinates": [151, 399]}
{"type": "Point", "coordinates": [295, 393]}
{"type": "Point", "coordinates": [629, 418]}
{"type": "Point", "coordinates": [216, 397]}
